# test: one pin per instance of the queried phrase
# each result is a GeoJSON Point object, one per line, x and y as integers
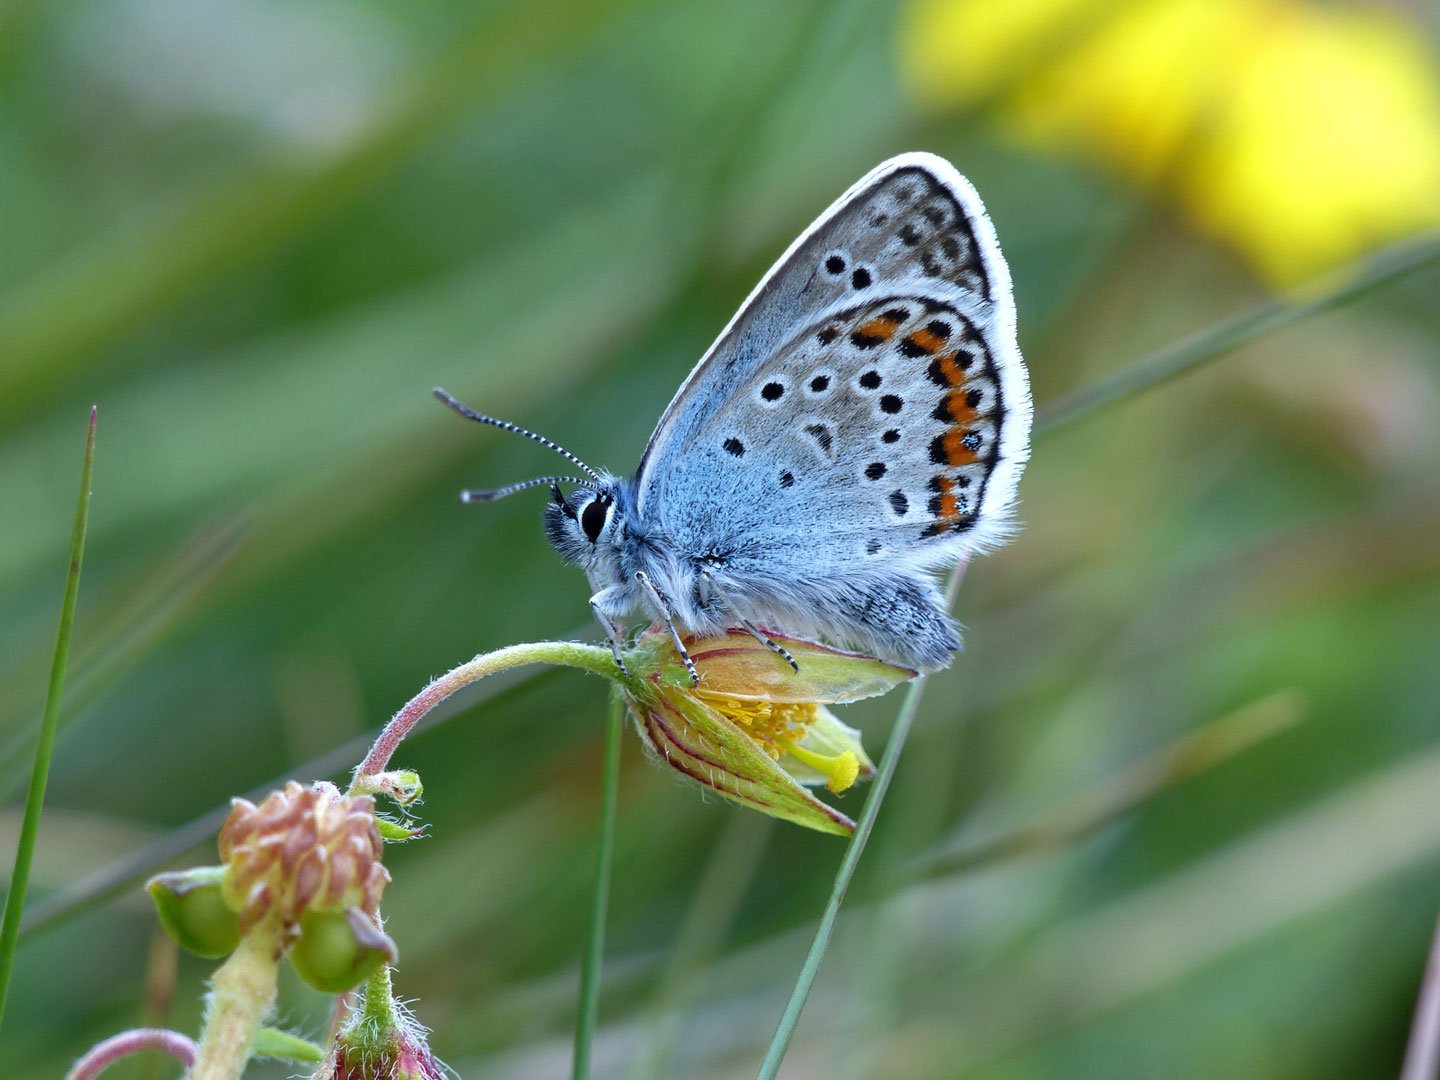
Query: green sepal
{"type": "Point", "coordinates": [273, 1043]}
{"type": "Point", "coordinates": [191, 906]}
{"type": "Point", "coordinates": [338, 950]}
{"type": "Point", "coordinates": [397, 832]}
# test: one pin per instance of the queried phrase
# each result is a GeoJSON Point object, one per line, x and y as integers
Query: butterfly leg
{"type": "Point", "coordinates": [663, 605]}
{"type": "Point", "coordinates": [750, 628]}
{"type": "Point", "coordinates": [612, 629]}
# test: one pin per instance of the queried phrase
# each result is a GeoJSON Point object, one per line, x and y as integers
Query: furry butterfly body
{"type": "Point", "coordinates": [861, 423]}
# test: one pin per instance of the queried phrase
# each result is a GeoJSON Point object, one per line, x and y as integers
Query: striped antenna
{"type": "Point", "coordinates": [505, 425]}
{"type": "Point", "coordinates": [471, 496]}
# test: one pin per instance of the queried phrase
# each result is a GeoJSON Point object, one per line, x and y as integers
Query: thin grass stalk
{"type": "Point", "coordinates": [45, 748]}
{"type": "Point", "coordinates": [1331, 291]}
{"type": "Point", "coordinates": [589, 1008]}
{"type": "Point", "coordinates": [1422, 1054]}
{"type": "Point", "coordinates": [790, 1018]}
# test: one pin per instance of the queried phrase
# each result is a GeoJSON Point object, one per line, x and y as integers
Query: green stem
{"type": "Point", "coordinates": [45, 749]}
{"type": "Point", "coordinates": [600, 903]}
{"type": "Point", "coordinates": [591, 658]}
{"type": "Point", "coordinates": [378, 1012]}
{"type": "Point", "coordinates": [241, 993]}
{"type": "Point", "coordinates": [785, 1030]}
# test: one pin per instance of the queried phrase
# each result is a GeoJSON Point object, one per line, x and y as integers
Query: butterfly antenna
{"type": "Point", "coordinates": [505, 425]}
{"type": "Point", "coordinates": [552, 482]}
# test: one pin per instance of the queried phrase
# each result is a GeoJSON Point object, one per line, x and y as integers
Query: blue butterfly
{"type": "Point", "coordinates": [861, 424]}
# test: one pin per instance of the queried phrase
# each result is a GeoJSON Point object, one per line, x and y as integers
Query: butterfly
{"type": "Point", "coordinates": [861, 423]}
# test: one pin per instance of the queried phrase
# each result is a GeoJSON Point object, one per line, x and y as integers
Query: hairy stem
{"type": "Point", "coordinates": [241, 993]}
{"type": "Point", "coordinates": [591, 658]}
{"type": "Point", "coordinates": [126, 1043]}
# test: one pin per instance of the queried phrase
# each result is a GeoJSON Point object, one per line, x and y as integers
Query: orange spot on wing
{"type": "Point", "coordinates": [954, 448]}
{"type": "Point", "coordinates": [958, 409]}
{"type": "Point", "coordinates": [946, 370]}
{"type": "Point", "coordinates": [881, 328]}
{"type": "Point", "coordinates": [949, 507]}
{"type": "Point", "coordinates": [925, 341]}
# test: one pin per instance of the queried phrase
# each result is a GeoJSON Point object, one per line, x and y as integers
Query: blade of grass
{"type": "Point", "coordinates": [1331, 291]}
{"type": "Point", "coordinates": [600, 901]}
{"type": "Point", "coordinates": [35, 798]}
{"type": "Point", "coordinates": [790, 1018]}
{"type": "Point", "coordinates": [1422, 1054]}
{"type": "Point", "coordinates": [1094, 809]}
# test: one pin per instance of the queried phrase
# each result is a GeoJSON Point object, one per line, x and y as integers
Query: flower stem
{"type": "Point", "coordinates": [45, 748]}
{"type": "Point", "coordinates": [785, 1030]}
{"type": "Point", "coordinates": [241, 993]}
{"type": "Point", "coordinates": [591, 658]}
{"type": "Point", "coordinates": [378, 1012]}
{"type": "Point", "coordinates": [105, 1054]}
{"type": "Point", "coordinates": [589, 1008]}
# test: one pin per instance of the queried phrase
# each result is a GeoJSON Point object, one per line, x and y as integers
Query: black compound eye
{"type": "Point", "coordinates": [592, 518]}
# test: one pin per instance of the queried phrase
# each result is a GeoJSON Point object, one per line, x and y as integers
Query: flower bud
{"type": "Point", "coordinates": [192, 908]}
{"type": "Point", "coordinates": [393, 1051]}
{"type": "Point", "coordinates": [301, 849]}
{"type": "Point", "coordinates": [755, 730]}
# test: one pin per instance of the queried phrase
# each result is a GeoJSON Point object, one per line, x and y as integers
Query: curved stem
{"type": "Point", "coordinates": [105, 1054]}
{"type": "Point", "coordinates": [241, 993]}
{"type": "Point", "coordinates": [589, 658]}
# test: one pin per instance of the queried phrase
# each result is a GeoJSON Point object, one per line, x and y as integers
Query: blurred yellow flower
{"type": "Point", "coordinates": [1302, 135]}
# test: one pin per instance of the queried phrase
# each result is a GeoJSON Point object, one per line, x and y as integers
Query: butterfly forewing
{"type": "Point", "coordinates": [868, 402]}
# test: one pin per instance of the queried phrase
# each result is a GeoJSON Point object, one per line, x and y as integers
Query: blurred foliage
{"type": "Point", "coordinates": [258, 233]}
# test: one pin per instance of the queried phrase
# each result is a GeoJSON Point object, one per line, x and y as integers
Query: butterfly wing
{"type": "Point", "coordinates": [868, 400]}
{"type": "Point", "coordinates": [864, 417]}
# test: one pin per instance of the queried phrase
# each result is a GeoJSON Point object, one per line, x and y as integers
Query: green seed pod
{"type": "Point", "coordinates": [338, 950]}
{"type": "Point", "coordinates": [192, 908]}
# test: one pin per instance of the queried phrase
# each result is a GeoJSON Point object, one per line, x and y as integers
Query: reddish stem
{"type": "Point", "coordinates": [586, 657]}
{"type": "Point", "coordinates": [126, 1043]}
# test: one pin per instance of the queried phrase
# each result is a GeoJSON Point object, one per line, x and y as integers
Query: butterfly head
{"type": "Point", "coordinates": [585, 526]}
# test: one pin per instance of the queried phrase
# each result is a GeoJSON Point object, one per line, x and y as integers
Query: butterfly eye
{"type": "Point", "coordinates": [592, 518]}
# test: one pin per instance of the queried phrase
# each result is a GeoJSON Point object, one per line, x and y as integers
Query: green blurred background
{"type": "Point", "coordinates": [258, 233]}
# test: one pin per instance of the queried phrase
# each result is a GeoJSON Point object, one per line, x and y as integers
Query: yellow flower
{"type": "Point", "coordinates": [1303, 135]}
{"type": "Point", "coordinates": [754, 730]}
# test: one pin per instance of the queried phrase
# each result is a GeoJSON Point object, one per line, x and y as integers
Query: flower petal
{"type": "Point", "coordinates": [738, 666]}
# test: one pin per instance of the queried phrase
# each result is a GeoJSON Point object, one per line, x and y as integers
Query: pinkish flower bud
{"type": "Point", "coordinates": [302, 849]}
{"type": "Point", "coordinates": [397, 1053]}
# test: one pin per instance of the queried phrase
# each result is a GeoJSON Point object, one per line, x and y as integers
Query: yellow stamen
{"type": "Point", "coordinates": [774, 725]}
